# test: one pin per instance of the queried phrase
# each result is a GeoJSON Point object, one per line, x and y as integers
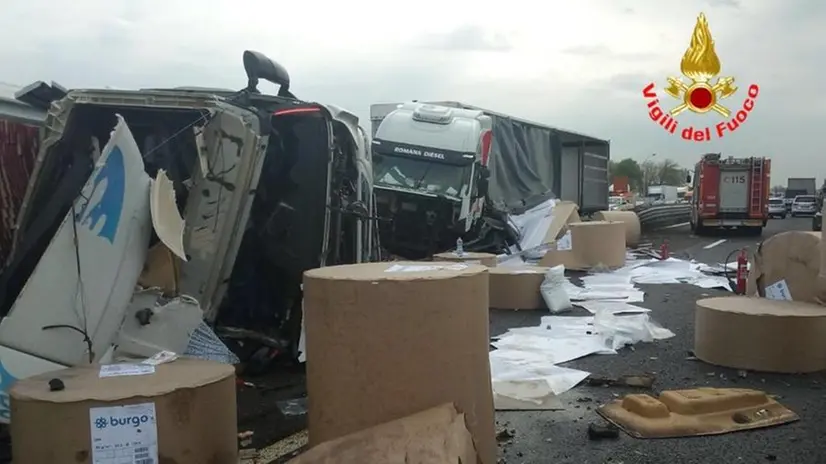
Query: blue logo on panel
{"type": "Point", "coordinates": [109, 201]}
{"type": "Point", "coordinates": [6, 382]}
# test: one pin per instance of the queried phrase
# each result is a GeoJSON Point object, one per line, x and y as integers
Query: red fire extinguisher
{"type": "Point", "coordinates": [742, 272]}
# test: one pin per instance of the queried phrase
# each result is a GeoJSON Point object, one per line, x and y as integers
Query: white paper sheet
{"type": "Point", "coordinates": [613, 307]}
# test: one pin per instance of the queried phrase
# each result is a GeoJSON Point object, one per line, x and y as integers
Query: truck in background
{"type": "Point", "coordinates": [531, 162]}
{"type": "Point", "coordinates": [487, 164]}
{"type": "Point", "coordinates": [730, 192]}
{"type": "Point", "coordinates": [799, 186]}
{"type": "Point", "coordinates": [662, 195]}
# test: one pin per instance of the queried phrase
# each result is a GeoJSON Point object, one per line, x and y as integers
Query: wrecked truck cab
{"type": "Point", "coordinates": [268, 186]}
{"type": "Point", "coordinates": [431, 177]}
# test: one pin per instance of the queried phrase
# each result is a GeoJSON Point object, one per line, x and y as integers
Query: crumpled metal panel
{"type": "Point", "coordinates": [18, 150]}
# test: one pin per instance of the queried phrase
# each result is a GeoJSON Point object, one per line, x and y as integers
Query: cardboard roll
{"type": "Point", "coordinates": [517, 287]}
{"type": "Point", "coordinates": [593, 244]}
{"type": "Point", "coordinates": [788, 262]}
{"type": "Point", "coordinates": [387, 340]}
{"type": "Point", "coordinates": [761, 334]}
{"type": "Point", "coordinates": [629, 220]}
{"type": "Point", "coordinates": [468, 257]}
{"type": "Point", "coordinates": [188, 405]}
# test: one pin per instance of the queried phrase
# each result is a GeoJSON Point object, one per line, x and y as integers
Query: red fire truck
{"type": "Point", "coordinates": [730, 192]}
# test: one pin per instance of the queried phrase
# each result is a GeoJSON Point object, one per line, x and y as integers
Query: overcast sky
{"type": "Point", "coordinates": [576, 65]}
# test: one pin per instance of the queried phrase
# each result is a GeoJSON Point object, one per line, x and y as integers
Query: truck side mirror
{"type": "Point", "coordinates": [688, 179]}
{"type": "Point", "coordinates": [258, 66]}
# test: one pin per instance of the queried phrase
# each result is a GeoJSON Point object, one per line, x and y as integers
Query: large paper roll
{"type": "Point", "coordinates": [629, 220]}
{"type": "Point", "coordinates": [387, 340]}
{"type": "Point", "coordinates": [760, 334]}
{"type": "Point", "coordinates": [183, 412]}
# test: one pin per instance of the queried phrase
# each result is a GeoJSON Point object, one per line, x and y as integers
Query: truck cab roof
{"type": "Point", "coordinates": [434, 126]}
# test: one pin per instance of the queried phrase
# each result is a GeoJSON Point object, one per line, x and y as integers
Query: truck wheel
{"type": "Point", "coordinates": [755, 231]}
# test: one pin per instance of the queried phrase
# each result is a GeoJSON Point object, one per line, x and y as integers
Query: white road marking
{"type": "Point", "coordinates": [682, 224]}
{"type": "Point", "coordinates": [712, 245]}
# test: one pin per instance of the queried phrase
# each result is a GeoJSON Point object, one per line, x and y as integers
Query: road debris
{"type": "Point", "coordinates": [638, 381]}
{"type": "Point", "coordinates": [602, 431]}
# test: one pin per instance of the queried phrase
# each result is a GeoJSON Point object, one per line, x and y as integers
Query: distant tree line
{"type": "Point", "coordinates": [649, 172]}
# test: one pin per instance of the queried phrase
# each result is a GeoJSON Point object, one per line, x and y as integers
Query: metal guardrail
{"type": "Point", "coordinates": [654, 217]}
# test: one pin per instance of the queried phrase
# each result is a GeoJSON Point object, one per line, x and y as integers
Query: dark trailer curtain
{"type": "Point", "coordinates": [524, 163]}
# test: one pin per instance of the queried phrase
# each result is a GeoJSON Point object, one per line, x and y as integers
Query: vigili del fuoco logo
{"type": "Point", "coordinates": [702, 94]}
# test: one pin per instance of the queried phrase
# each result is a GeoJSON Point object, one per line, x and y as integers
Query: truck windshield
{"type": "Point", "coordinates": [428, 176]}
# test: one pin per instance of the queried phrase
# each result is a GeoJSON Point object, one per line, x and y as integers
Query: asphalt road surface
{"type": "Point", "coordinates": [561, 436]}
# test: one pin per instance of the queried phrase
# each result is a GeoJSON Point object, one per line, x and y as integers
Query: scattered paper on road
{"type": "Point", "coordinates": [524, 371]}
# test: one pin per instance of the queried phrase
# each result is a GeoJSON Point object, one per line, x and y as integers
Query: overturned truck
{"type": "Point", "coordinates": [268, 186]}
{"type": "Point", "coordinates": [446, 170]}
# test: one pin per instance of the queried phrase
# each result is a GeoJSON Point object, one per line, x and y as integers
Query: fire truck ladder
{"type": "Point", "coordinates": [757, 178]}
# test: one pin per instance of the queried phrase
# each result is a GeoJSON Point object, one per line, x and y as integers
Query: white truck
{"type": "Point", "coordinates": [662, 194]}
{"type": "Point", "coordinates": [445, 170]}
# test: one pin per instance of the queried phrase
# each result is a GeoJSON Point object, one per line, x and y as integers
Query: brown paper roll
{"type": "Point", "coordinates": [517, 287]}
{"type": "Point", "coordinates": [760, 334]}
{"type": "Point", "coordinates": [792, 257]}
{"type": "Point", "coordinates": [629, 219]}
{"type": "Point", "coordinates": [195, 412]}
{"type": "Point", "coordinates": [384, 342]}
{"type": "Point", "coordinates": [469, 257]}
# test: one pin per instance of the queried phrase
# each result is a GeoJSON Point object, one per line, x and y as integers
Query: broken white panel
{"type": "Point", "coordinates": [107, 232]}
{"type": "Point", "coordinates": [170, 326]}
{"type": "Point", "coordinates": [166, 219]}
{"type": "Point", "coordinates": [218, 206]}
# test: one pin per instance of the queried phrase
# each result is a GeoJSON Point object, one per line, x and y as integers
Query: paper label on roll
{"type": "Point", "coordinates": [120, 370]}
{"type": "Point", "coordinates": [425, 267]}
{"type": "Point", "coordinates": [124, 434]}
{"type": "Point", "coordinates": [779, 291]}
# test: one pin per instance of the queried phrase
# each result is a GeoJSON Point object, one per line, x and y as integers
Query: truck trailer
{"type": "Point", "coordinates": [730, 192]}
{"type": "Point", "coordinates": [446, 171]}
{"type": "Point", "coordinates": [532, 162]}
{"type": "Point", "coordinates": [796, 186]}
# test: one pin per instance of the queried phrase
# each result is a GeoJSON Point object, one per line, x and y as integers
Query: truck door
{"type": "Point", "coordinates": [734, 191]}
{"type": "Point", "coordinates": [231, 156]}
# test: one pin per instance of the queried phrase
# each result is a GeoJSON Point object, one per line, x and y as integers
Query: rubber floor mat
{"type": "Point", "coordinates": [695, 412]}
